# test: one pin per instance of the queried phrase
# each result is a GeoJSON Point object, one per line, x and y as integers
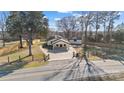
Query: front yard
{"type": "Point", "coordinates": [20, 59]}
{"type": "Point", "coordinates": [90, 57]}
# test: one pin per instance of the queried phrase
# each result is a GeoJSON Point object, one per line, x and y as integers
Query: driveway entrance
{"type": "Point", "coordinates": [59, 54]}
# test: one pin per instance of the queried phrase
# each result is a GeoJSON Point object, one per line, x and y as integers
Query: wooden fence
{"type": "Point", "coordinates": [8, 60]}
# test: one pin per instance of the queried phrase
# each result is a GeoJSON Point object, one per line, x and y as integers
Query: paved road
{"type": "Point", "coordinates": [68, 69]}
{"type": "Point", "coordinates": [55, 70]}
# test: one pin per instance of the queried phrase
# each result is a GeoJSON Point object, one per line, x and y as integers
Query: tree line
{"type": "Point", "coordinates": [90, 22]}
{"type": "Point", "coordinates": [94, 24]}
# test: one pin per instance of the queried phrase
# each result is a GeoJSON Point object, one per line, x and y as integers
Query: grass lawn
{"type": "Point", "coordinates": [18, 65]}
{"type": "Point", "coordinates": [91, 57]}
{"type": "Point", "coordinates": [35, 64]}
{"type": "Point", "coordinates": [8, 44]}
{"type": "Point", "coordinates": [23, 53]}
{"type": "Point", "coordinates": [26, 61]}
{"type": "Point", "coordinates": [11, 67]}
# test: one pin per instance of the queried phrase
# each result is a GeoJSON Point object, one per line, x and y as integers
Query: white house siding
{"type": "Point", "coordinates": [60, 43]}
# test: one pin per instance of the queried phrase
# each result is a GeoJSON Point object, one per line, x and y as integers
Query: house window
{"type": "Point", "coordinates": [60, 45]}
{"type": "Point", "coordinates": [57, 45]}
{"type": "Point", "coordinates": [64, 45]}
{"type": "Point", "coordinates": [75, 40]}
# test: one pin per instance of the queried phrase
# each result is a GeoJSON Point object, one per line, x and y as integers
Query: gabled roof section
{"type": "Point", "coordinates": [56, 41]}
{"type": "Point", "coordinates": [55, 37]}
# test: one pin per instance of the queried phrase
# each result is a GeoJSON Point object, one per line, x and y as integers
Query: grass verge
{"type": "Point", "coordinates": [35, 64]}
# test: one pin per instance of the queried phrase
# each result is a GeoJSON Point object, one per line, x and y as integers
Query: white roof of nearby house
{"type": "Point", "coordinates": [57, 39]}
{"type": "Point", "coordinates": [77, 38]}
{"type": "Point", "coordinates": [60, 40]}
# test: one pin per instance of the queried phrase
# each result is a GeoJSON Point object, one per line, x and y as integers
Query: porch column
{"type": "Point", "coordinates": [67, 47]}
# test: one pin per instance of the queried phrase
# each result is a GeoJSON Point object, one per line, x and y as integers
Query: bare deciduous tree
{"type": "Point", "coordinates": [67, 25]}
{"type": "Point", "coordinates": [97, 18]}
{"type": "Point", "coordinates": [3, 28]}
{"type": "Point", "coordinates": [87, 20]}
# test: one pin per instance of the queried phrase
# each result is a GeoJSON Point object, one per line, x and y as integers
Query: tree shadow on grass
{"type": "Point", "coordinates": [116, 58]}
{"type": "Point", "coordinates": [8, 68]}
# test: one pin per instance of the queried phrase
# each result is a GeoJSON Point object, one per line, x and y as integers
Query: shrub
{"type": "Point", "coordinates": [44, 45]}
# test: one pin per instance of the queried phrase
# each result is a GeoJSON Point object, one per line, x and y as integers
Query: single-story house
{"type": "Point", "coordinates": [52, 39]}
{"type": "Point", "coordinates": [58, 43]}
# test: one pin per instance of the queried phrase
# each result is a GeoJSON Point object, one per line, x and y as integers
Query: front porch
{"type": "Point", "coordinates": [60, 47]}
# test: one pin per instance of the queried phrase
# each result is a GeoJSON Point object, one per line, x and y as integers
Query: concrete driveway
{"type": "Point", "coordinates": [59, 55]}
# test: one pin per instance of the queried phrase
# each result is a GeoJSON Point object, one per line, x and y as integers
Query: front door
{"type": "Point", "coordinates": [60, 45]}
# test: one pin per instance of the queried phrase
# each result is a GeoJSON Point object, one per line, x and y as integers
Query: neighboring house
{"type": "Point", "coordinates": [58, 43]}
{"type": "Point", "coordinates": [75, 41]}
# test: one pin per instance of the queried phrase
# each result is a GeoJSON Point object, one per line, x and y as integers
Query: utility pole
{"type": "Point", "coordinates": [30, 44]}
